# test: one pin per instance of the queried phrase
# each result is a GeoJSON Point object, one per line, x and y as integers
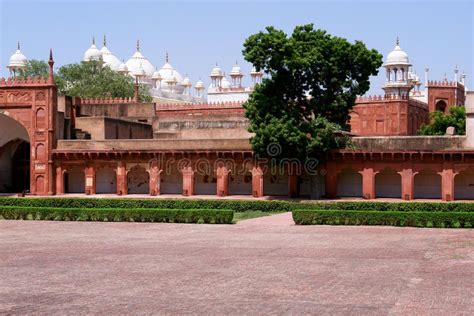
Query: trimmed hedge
{"type": "Point", "coordinates": [389, 206]}
{"type": "Point", "coordinates": [118, 215]}
{"type": "Point", "coordinates": [390, 218]}
{"type": "Point", "coordinates": [236, 205]}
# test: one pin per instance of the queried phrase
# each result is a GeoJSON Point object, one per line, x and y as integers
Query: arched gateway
{"type": "Point", "coordinates": [28, 112]}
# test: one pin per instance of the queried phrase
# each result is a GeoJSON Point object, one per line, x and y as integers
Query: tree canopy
{"type": "Point", "coordinates": [440, 122]}
{"type": "Point", "coordinates": [88, 80]}
{"type": "Point", "coordinates": [35, 68]}
{"type": "Point", "coordinates": [312, 81]}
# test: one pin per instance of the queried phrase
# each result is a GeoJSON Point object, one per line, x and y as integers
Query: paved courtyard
{"type": "Point", "coordinates": [258, 266]}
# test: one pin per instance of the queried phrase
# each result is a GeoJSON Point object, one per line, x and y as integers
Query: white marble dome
{"type": "Point", "coordinates": [133, 64]}
{"type": "Point", "coordinates": [92, 53]}
{"type": "Point", "coordinates": [110, 59]}
{"type": "Point", "coordinates": [397, 56]}
{"type": "Point", "coordinates": [216, 72]}
{"type": "Point", "coordinates": [17, 60]}
{"type": "Point", "coordinates": [187, 82]}
{"type": "Point", "coordinates": [236, 71]}
{"type": "Point", "coordinates": [225, 84]}
{"type": "Point", "coordinates": [123, 68]}
{"type": "Point", "coordinates": [169, 74]}
{"type": "Point", "coordinates": [199, 85]}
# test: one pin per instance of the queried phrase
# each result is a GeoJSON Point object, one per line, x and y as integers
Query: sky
{"type": "Point", "coordinates": [197, 34]}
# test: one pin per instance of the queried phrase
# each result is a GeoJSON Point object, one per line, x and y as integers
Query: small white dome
{"type": "Point", "coordinates": [216, 72]}
{"type": "Point", "coordinates": [140, 73]}
{"type": "Point", "coordinates": [187, 82]}
{"type": "Point", "coordinates": [236, 71]}
{"type": "Point", "coordinates": [171, 80]}
{"type": "Point", "coordinates": [225, 84]}
{"type": "Point", "coordinates": [156, 75]}
{"type": "Point", "coordinates": [123, 68]}
{"type": "Point", "coordinates": [170, 77]}
{"type": "Point", "coordinates": [138, 59]}
{"type": "Point", "coordinates": [92, 53]}
{"type": "Point", "coordinates": [199, 85]}
{"type": "Point", "coordinates": [17, 60]}
{"type": "Point", "coordinates": [397, 56]}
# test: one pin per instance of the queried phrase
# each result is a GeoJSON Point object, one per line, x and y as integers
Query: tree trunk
{"type": "Point", "coordinates": [316, 187]}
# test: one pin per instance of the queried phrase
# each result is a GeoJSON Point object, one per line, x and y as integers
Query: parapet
{"type": "Point", "coordinates": [30, 81]}
{"type": "Point", "coordinates": [198, 106]}
{"type": "Point", "coordinates": [445, 83]}
{"type": "Point", "coordinates": [107, 101]}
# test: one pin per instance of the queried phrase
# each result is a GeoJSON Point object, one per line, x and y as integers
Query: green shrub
{"type": "Point", "coordinates": [237, 206]}
{"type": "Point", "coordinates": [221, 216]}
{"type": "Point", "coordinates": [390, 218]}
{"type": "Point", "coordinates": [388, 206]}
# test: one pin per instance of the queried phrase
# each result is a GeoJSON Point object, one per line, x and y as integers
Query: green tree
{"type": "Point", "coordinates": [312, 81]}
{"type": "Point", "coordinates": [92, 80]}
{"type": "Point", "coordinates": [35, 68]}
{"type": "Point", "coordinates": [440, 122]}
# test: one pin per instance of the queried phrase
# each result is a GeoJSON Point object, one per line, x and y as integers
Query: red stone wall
{"type": "Point", "coordinates": [451, 93]}
{"type": "Point", "coordinates": [33, 103]}
{"type": "Point", "coordinates": [385, 117]}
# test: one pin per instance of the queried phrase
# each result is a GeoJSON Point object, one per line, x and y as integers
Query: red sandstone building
{"type": "Point", "coordinates": [61, 145]}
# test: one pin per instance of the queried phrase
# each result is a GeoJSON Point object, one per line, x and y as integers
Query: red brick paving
{"type": "Point", "coordinates": [259, 266]}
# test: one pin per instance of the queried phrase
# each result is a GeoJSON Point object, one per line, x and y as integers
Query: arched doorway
{"type": "Point", "coordinates": [427, 185]}
{"type": "Point", "coordinates": [138, 180]}
{"type": "Point", "coordinates": [106, 181]}
{"type": "Point", "coordinates": [464, 185]}
{"type": "Point", "coordinates": [441, 106]}
{"type": "Point", "coordinates": [388, 184]}
{"type": "Point", "coordinates": [171, 180]}
{"type": "Point", "coordinates": [14, 156]}
{"type": "Point", "coordinates": [75, 180]}
{"type": "Point", "coordinates": [349, 184]}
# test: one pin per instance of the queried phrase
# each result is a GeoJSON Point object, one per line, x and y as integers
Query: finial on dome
{"type": "Point", "coordinates": [93, 40]}
{"type": "Point", "coordinates": [138, 45]}
{"type": "Point", "coordinates": [167, 57]}
{"type": "Point", "coordinates": [398, 41]}
{"type": "Point", "coordinates": [105, 41]}
{"type": "Point", "coordinates": [18, 46]}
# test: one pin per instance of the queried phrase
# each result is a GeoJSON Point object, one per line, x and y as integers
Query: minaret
{"type": "Point", "coordinates": [456, 71]}
{"type": "Point", "coordinates": [50, 63]}
{"type": "Point", "coordinates": [427, 70]}
{"type": "Point", "coordinates": [236, 75]}
{"type": "Point", "coordinates": [397, 66]}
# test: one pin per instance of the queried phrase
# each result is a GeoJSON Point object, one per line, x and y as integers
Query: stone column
{"type": "Point", "coordinates": [447, 182]}
{"type": "Point", "coordinates": [292, 185]}
{"type": "Point", "coordinates": [122, 188]}
{"type": "Point", "coordinates": [90, 180]}
{"type": "Point", "coordinates": [257, 182]}
{"type": "Point", "coordinates": [408, 182]}
{"type": "Point", "coordinates": [59, 180]}
{"type": "Point", "coordinates": [188, 181]}
{"type": "Point", "coordinates": [368, 182]}
{"type": "Point", "coordinates": [331, 180]}
{"type": "Point", "coordinates": [222, 181]}
{"type": "Point", "coordinates": [155, 178]}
